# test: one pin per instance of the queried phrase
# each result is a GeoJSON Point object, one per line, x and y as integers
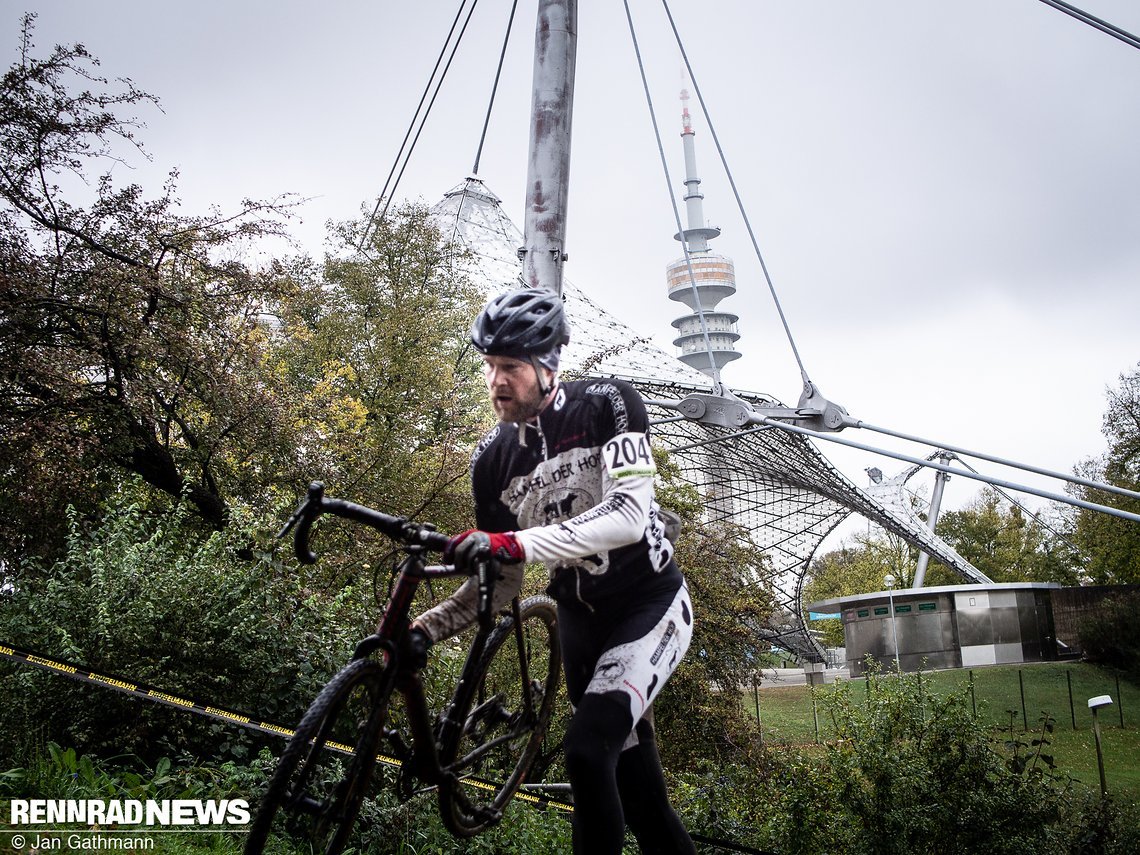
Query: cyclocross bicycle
{"type": "Point", "coordinates": [476, 753]}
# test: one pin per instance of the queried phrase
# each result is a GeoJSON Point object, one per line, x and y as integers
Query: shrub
{"type": "Point", "coordinates": [1102, 826]}
{"type": "Point", "coordinates": [921, 773]}
{"type": "Point", "coordinates": [152, 597]}
{"type": "Point", "coordinates": [907, 772]}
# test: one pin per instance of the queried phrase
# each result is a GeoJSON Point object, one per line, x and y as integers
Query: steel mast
{"type": "Point", "coordinates": [548, 165]}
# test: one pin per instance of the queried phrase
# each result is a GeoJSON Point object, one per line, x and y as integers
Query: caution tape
{"type": "Point", "coordinates": [139, 690]}
{"type": "Point", "coordinates": [147, 693]}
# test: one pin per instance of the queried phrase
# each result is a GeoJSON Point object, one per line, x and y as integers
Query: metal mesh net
{"type": "Point", "coordinates": [774, 484]}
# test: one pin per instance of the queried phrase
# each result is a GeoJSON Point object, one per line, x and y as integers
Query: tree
{"type": "Point", "coordinates": [700, 709]}
{"type": "Point", "coordinates": [133, 340]}
{"type": "Point", "coordinates": [1112, 544]}
{"type": "Point", "coordinates": [129, 334]}
{"type": "Point", "coordinates": [1111, 635]}
{"type": "Point", "coordinates": [857, 567]}
{"type": "Point", "coordinates": [375, 347]}
{"type": "Point", "coordinates": [860, 565]}
{"type": "Point", "coordinates": [1006, 545]}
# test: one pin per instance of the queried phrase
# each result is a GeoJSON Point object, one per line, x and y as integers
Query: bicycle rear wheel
{"type": "Point", "coordinates": [504, 719]}
{"type": "Point", "coordinates": [324, 772]}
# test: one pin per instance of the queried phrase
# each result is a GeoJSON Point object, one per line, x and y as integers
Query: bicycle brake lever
{"type": "Point", "coordinates": [486, 585]}
{"type": "Point", "coordinates": [314, 494]}
{"type": "Point", "coordinates": [306, 514]}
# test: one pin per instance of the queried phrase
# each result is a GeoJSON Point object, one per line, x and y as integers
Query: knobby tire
{"type": "Point", "coordinates": [300, 787]}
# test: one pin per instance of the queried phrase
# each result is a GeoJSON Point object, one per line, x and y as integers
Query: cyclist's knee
{"type": "Point", "coordinates": [597, 732]}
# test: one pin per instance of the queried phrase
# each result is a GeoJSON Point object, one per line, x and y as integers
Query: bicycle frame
{"type": "Point", "coordinates": [393, 629]}
{"type": "Point", "coordinates": [483, 718]}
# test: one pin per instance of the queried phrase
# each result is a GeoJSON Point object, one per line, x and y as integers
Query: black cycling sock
{"type": "Point", "coordinates": [645, 801]}
{"type": "Point", "coordinates": [594, 740]}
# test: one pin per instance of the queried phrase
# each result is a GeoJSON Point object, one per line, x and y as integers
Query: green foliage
{"type": "Point", "coordinates": [1111, 544]}
{"type": "Point", "coordinates": [998, 539]}
{"type": "Point", "coordinates": [61, 773]}
{"type": "Point", "coordinates": [920, 773]}
{"type": "Point", "coordinates": [698, 713]}
{"type": "Point", "coordinates": [1101, 826]}
{"type": "Point", "coordinates": [906, 772]}
{"type": "Point", "coordinates": [130, 338]}
{"type": "Point", "coordinates": [152, 598]}
{"type": "Point", "coordinates": [389, 827]}
{"type": "Point", "coordinates": [1112, 636]}
{"type": "Point", "coordinates": [375, 349]}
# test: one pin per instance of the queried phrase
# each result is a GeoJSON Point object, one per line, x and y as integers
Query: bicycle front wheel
{"type": "Point", "coordinates": [324, 772]}
{"type": "Point", "coordinates": [504, 709]}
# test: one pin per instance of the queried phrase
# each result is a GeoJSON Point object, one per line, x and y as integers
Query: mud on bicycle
{"type": "Point", "coordinates": [476, 753]}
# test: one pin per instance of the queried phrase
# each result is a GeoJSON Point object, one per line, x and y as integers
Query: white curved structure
{"type": "Point", "coordinates": [775, 484]}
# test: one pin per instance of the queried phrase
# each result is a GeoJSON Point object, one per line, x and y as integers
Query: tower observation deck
{"type": "Point", "coordinates": [703, 278]}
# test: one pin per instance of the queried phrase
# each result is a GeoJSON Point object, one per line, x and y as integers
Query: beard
{"type": "Point", "coordinates": [518, 409]}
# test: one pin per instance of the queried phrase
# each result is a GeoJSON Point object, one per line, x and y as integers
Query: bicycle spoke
{"type": "Point", "coordinates": [505, 709]}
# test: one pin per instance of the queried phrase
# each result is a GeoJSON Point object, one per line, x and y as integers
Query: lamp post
{"type": "Point", "coordinates": [1095, 704]}
{"type": "Point", "coordinates": [889, 581]}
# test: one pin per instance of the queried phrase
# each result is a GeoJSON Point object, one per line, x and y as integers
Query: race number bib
{"type": "Point", "coordinates": [627, 455]}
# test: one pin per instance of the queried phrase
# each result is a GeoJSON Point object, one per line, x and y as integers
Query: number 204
{"type": "Point", "coordinates": [628, 450]}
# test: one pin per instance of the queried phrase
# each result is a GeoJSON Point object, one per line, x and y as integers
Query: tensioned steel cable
{"type": "Point", "coordinates": [494, 89]}
{"type": "Point", "coordinates": [1036, 516]}
{"type": "Point", "coordinates": [718, 387]}
{"type": "Point", "coordinates": [736, 194]}
{"type": "Point", "coordinates": [1095, 22]}
{"type": "Point", "coordinates": [385, 197]}
{"type": "Point", "coordinates": [1021, 488]}
{"type": "Point", "coordinates": [1049, 473]}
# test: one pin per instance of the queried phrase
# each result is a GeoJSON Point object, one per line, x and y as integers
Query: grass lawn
{"type": "Point", "coordinates": [787, 716]}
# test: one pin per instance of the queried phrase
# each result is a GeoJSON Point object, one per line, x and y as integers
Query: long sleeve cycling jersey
{"type": "Point", "coordinates": [576, 484]}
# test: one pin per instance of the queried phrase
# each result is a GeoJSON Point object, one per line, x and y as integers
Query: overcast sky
{"type": "Point", "coordinates": [945, 194]}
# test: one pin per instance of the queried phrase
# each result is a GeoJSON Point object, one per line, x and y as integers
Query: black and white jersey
{"type": "Point", "coordinates": [577, 487]}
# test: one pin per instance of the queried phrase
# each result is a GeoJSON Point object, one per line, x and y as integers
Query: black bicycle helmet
{"type": "Point", "coordinates": [523, 323]}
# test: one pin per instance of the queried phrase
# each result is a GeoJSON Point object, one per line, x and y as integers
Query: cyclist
{"type": "Point", "coordinates": [566, 478]}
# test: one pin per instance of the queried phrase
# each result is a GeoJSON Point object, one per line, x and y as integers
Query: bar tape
{"type": "Point", "coordinates": [147, 693]}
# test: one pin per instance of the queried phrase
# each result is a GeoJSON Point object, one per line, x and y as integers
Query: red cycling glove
{"type": "Point", "coordinates": [465, 547]}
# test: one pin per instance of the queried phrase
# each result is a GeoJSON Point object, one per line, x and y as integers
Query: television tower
{"type": "Point", "coordinates": [714, 276]}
